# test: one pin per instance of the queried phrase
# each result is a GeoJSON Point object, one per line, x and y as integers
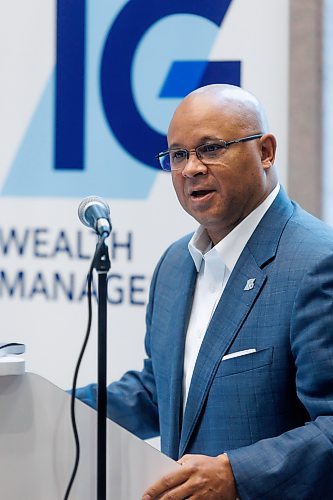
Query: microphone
{"type": "Point", "coordinates": [94, 212]}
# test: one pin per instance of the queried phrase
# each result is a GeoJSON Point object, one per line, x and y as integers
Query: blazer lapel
{"type": "Point", "coordinates": [225, 323]}
{"type": "Point", "coordinates": [178, 326]}
{"type": "Point", "coordinates": [234, 306]}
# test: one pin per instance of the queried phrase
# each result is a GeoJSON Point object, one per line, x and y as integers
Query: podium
{"type": "Point", "coordinates": [37, 447]}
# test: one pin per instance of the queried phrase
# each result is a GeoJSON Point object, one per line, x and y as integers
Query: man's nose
{"type": "Point", "coordinates": [194, 166]}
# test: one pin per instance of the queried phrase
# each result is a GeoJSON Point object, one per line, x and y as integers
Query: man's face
{"type": "Point", "coordinates": [218, 196]}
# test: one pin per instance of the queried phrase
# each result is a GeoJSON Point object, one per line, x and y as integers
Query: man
{"type": "Point", "coordinates": [238, 379]}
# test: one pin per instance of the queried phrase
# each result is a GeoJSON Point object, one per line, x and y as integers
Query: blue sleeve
{"type": "Point", "coordinates": [130, 401]}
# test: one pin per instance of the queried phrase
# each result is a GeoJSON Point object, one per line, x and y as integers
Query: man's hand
{"type": "Point", "coordinates": [199, 477]}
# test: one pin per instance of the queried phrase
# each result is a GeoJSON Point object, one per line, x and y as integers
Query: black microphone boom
{"type": "Point", "coordinates": [94, 212]}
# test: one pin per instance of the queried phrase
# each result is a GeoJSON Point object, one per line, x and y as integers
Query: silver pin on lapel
{"type": "Point", "coordinates": [249, 284]}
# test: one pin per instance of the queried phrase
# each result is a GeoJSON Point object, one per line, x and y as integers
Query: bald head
{"type": "Point", "coordinates": [241, 108]}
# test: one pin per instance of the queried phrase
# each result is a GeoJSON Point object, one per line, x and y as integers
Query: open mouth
{"type": "Point", "coordinates": [201, 193]}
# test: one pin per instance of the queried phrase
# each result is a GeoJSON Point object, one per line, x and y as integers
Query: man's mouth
{"type": "Point", "coordinates": [201, 193]}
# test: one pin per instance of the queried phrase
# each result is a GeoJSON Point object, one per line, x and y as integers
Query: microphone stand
{"type": "Point", "coordinates": [102, 265]}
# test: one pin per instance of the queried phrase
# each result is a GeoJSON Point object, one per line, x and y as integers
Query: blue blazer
{"type": "Point", "coordinates": [272, 410]}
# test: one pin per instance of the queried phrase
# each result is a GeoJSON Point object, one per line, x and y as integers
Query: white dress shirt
{"type": "Point", "coordinates": [214, 265]}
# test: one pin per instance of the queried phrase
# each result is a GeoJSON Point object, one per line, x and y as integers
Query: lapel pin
{"type": "Point", "coordinates": [249, 284]}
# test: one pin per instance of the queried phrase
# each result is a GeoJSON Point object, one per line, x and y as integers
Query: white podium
{"type": "Point", "coordinates": [37, 447]}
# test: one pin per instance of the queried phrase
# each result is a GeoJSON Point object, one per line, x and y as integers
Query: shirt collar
{"type": "Point", "coordinates": [232, 245]}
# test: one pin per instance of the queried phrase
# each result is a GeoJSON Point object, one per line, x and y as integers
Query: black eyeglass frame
{"type": "Point", "coordinates": [224, 144]}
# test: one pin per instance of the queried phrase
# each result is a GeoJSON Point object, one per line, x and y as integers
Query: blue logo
{"type": "Point", "coordinates": [121, 69]}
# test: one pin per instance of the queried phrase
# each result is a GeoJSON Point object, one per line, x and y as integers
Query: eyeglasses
{"type": "Point", "coordinates": [208, 153]}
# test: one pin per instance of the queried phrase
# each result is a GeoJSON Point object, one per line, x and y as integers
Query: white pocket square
{"type": "Point", "coordinates": [238, 353]}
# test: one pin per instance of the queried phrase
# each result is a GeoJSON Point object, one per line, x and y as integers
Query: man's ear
{"type": "Point", "coordinates": [268, 148]}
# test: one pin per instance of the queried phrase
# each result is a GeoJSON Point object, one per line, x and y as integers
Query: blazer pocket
{"type": "Point", "coordinates": [245, 363]}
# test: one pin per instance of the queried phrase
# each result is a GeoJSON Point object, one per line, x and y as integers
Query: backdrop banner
{"type": "Point", "coordinates": [87, 90]}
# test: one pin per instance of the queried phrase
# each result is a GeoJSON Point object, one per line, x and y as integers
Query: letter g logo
{"type": "Point", "coordinates": [125, 120]}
